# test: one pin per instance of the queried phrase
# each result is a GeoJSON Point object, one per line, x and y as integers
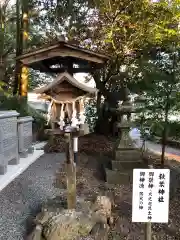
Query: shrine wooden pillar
{"type": "Point", "coordinates": [81, 114]}
{"type": "Point", "coordinates": [61, 117]}
{"type": "Point", "coordinates": [74, 119]}
{"type": "Point", "coordinates": [71, 172]}
{"type": "Point", "coordinates": [53, 115]}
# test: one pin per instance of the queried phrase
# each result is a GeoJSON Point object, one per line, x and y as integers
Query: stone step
{"type": "Point", "coordinates": [127, 165]}
{"type": "Point", "coordinates": [117, 177]}
{"type": "Point", "coordinates": [128, 155]}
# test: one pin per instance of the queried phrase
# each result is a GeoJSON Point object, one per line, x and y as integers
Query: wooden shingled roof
{"type": "Point", "coordinates": [65, 88]}
{"type": "Point", "coordinates": [57, 53]}
{"type": "Point", "coordinates": [65, 77]}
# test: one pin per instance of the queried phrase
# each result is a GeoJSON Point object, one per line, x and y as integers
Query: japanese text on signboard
{"type": "Point", "coordinates": [150, 195]}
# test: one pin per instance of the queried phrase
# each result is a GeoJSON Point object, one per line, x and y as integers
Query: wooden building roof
{"type": "Point", "coordinates": [63, 54]}
{"type": "Point", "coordinates": [65, 88]}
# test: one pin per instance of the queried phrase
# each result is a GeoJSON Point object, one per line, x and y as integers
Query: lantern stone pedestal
{"type": "Point", "coordinates": [126, 155]}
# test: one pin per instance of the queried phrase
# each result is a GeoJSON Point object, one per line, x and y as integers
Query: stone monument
{"type": "Point", "coordinates": [126, 155]}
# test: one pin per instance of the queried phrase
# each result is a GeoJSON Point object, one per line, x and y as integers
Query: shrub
{"type": "Point", "coordinates": [91, 113]}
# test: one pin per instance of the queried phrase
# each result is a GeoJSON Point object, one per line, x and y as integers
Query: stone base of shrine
{"type": "Point", "coordinates": [127, 165]}
{"type": "Point", "coordinates": [127, 155]}
{"type": "Point", "coordinates": [124, 177]}
{"type": "Point", "coordinates": [117, 177]}
{"type": "Point", "coordinates": [121, 171]}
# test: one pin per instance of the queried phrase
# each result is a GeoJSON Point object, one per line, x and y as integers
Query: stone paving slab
{"type": "Point", "coordinates": [22, 197]}
{"type": "Point", "coordinates": [14, 171]}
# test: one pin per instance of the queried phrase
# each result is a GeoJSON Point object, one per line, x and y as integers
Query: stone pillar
{"type": "Point", "coordinates": [25, 135]}
{"type": "Point", "coordinates": [8, 140]}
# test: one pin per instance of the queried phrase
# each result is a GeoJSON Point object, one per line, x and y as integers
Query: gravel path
{"type": "Point", "coordinates": [171, 153]}
{"type": "Point", "coordinates": [22, 198]}
{"type": "Point", "coordinates": [157, 147]}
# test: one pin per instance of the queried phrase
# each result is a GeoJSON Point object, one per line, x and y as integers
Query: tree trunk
{"type": "Point", "coordinates": [99, 113]}
{"type": "Point", "coordinates": [106, 118]}
{"type": "Point", "coordinates": [164, 134]}
{"type": "Point", "coordinates": [102, 122]}
{"type": "Point", "coordinates": [98, 103]}
{"type": "Point", "coordinates": [19, 47]}
{"type": "Point", "coordinates": [24, 72]}
{"type": "Point", "coordinates": [2, 32]}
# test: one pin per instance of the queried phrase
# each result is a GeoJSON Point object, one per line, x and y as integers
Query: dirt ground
{"type": "Point", "coordinates": [91, 182]}
{"type": "Point", "coordinates": [90, 143]}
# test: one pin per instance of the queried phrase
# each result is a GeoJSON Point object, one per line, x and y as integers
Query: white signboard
{"type": "Point", "coordinates": [150, 195]}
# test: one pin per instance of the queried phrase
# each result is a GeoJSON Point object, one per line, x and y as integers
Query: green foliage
{"type": "Point", "coordinates": [91, 113]}
{"type": "Point", "coordinates": [173, 129]}
{"type": "Point", "coordinates": [21, 106]}
{"type": "Point", "coordinates": [48, 20]}
{"type": "Point", "coordinates": [129, 31]}
{"type": "Point", "coordinates": [128, 26]}
{"type": "Point", "coordinates": [161, 95]}
{"type": "Point", "coordinates": [119, 28]}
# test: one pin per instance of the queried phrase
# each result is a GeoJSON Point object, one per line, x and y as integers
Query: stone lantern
{"type": "Point", "coordinates": [126, 155]}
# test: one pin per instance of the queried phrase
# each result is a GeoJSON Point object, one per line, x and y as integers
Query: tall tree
{"type": "Point", "coordinates": [18, 67]}
{"type": "Point", "coordinates": [162, 96]}
{"type": "Point", "coordinates": [3, 25]}
{"type": "Point", "coordinates": [130, 31]}
{"type": "Point", "coordinates": [25, 37]}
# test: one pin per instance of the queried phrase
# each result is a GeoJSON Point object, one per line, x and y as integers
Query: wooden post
{"type": "Point", "coordinates": [75, 148]}
{"type": "Point", "coordinates": [148, 231]}
{"type": "Point", "coordinates": [61, 118]}
{"type": "Point", "coordinates": [71, 173]}
{"type": "Point", "coordinates": [148, 234]}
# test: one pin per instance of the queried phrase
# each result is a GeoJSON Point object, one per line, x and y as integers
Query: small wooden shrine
{"type": "Point", "coordinates": [65, 93]}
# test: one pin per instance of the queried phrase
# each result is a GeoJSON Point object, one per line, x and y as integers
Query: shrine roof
{"type": "Point", "coordinates": [42, 58]}
{"type": "Point", "coordinates": [60, 79]}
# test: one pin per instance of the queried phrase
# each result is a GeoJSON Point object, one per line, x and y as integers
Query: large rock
{"type": "Point", "coordinates": [36, 234]}
{"type": "Point", "coordinates": [101, 209]}
{"type": "Point", "coordinates": [100, 231]}
{"type": "Point", "coordinates": [67, 225]}
{"type": "Point", "coordinates": [56, 223]}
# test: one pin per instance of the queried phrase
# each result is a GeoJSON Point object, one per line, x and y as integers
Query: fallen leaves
{"type": "Point", "coordinates": [90, 143]}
